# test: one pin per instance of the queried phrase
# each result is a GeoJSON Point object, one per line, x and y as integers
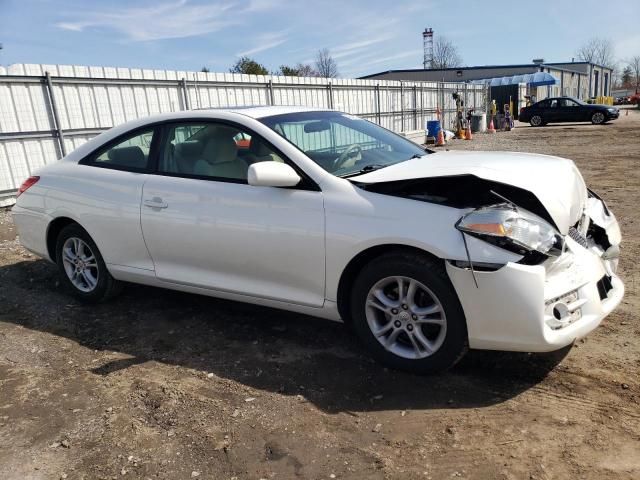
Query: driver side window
{"type": "Point", "coordinates": [212, 150]}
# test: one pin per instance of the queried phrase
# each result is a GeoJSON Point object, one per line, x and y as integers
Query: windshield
{"type": "Point", "coordinates": [343, 144]}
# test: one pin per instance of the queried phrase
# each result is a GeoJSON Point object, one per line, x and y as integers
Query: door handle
{"type": "Point", "coordinates": [155, 202]}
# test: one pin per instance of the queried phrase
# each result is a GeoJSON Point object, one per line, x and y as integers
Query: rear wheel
{"type": "Point", "coordinates": [598, 118]}
{"type": "Point", "coordinates": [536, 121]}
{"type": "Point", "coordinates": [82, 268]}
{"type": "Point", "coordinates": [406, 312]}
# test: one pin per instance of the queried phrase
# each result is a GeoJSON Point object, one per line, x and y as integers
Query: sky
{"type": "Point", "coordinates": [363, 36]}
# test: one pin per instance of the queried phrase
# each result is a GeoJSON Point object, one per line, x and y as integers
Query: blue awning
{"type": "Point", "coordinates": [537, 79]}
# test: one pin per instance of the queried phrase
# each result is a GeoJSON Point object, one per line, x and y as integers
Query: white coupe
{"type": "Point", "coordinates": [315, 211]}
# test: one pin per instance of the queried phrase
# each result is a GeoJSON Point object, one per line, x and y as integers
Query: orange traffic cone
{"type": "Point", "coordinates": [440, 140]}
{"type": "Point", "coordinates": [491, 127]}
{"type": "Point", "coordinates": [467, 133]}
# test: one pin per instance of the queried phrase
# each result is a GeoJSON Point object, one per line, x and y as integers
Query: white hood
{"type": "Point", "coordinates": [555, 181]}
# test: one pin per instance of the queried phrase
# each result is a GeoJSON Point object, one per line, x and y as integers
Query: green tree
{"type": "Point", "coordinates": [287, 71]}
{"type": "Point", "coordinates": [300, 70]}
{"type": "Point", "coordinates": [205, 70]}
{"type": "Point", "coordinates": [249, 66]}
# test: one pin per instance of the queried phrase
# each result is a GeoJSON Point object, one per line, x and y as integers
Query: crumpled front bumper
{"type": "Point", "coordinates": [539, 308]}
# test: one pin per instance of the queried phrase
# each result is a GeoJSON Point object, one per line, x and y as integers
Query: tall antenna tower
{"type": "Point", "coordinates": [427, 41]}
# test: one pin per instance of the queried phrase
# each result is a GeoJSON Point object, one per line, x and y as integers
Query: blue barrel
{"type": "Point", "coordinates": [433, 127]}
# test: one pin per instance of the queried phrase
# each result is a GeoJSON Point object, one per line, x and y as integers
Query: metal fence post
{"type": "Point", "coordinates": [54, 111]}
{"type": "Point", "coordinates": [185, 94]}
{"type": "Point", "coordinates": [330, 92]}
{"type": "Point", "coordinates": [272, 98]}
{"type": "Point", "coordinates": [415, 107]}
{"type": "Point", "coordinates": [378, 116]}
{"type": "Point", "coordinates": [401, 106]}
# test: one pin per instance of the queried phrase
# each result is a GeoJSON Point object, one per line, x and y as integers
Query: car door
{"type": "Point", "coordinates": [553, 112]}
{"type": "Point", "coordinates": [205, 226]}
{"type": "Point", "coordinates": [569, 111]}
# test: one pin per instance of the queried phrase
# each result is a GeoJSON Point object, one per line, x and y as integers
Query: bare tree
{"type": "Point", "coordinates": [306, 70]}
{"type": "Point", "coordinates": [627, 77]}
{"type": "Point", "coordinates": [325, 64]}
{"type": "Point", "coordinates": [599, 51]}
{"type": "Point", "coordinates": [634, 65]}
{"type": "Point", "coordinates": [445, 54]}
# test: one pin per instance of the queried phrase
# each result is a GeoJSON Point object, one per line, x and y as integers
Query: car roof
{"type": "Point", "coordinates": [255, 112]}
{"type": "Point", "coordinates": [261, 111]}
{"type": "Point", "coordinates": [557, 98]}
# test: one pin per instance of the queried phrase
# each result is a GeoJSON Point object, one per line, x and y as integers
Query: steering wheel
{"type": "Point", "coordinates": [352, 151]}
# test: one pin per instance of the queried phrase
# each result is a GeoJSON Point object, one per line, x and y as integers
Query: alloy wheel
{"type": "Point", "coordinates": [597, 118]}
{"type": "Point", "coordinates": [80, 264]}
{"type": "Point", "coordinates": [406, 317]}
{"type": "Point", "coordinates": [536, 120]}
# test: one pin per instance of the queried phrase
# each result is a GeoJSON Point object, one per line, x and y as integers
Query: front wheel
{"type": "Point", "coordinates": [536, 121]}
{"type": "Point", "coordinates": [82, 268]}
{"type": "Point", "coordinates": [406, 312]}
{"type": "Point", "coordinates": [598, 118]}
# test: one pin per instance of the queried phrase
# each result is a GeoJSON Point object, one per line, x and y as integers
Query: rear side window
{"type": "Point", "coordinates": [132, 153]}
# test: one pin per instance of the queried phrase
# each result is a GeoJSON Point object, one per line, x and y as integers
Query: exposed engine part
{"type": "Point", "coordinates": [460, 191]}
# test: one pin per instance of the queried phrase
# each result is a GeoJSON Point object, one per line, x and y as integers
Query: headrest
{"type": "Point", "coordinates": [259, 148]}
{"type": "Point", "coordinates": [189, 149]}
{"type": "Point", "coordinates": [220, 149]}
{"type": "Point", "coordinates": [128, 156]}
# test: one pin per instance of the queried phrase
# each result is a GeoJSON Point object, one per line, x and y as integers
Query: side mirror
{"type": "Point", "coordinates": [272, 174]}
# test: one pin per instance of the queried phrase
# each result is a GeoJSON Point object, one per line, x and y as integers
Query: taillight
{"type": "Point", "coordinates": [522, 110]}
{"type": "Point", "coordinates": [27, 184]}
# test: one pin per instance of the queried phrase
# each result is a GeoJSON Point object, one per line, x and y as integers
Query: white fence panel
{"type": "Point", "coordinates": [49, 110]}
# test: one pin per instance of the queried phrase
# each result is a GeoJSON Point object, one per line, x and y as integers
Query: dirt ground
{"type": "Point", "coordinates": [159, 384]}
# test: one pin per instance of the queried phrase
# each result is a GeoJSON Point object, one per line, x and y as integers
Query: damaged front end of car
{"type": "Point", "coordinates": [565, 282]}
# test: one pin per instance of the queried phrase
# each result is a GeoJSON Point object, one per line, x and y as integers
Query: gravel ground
{"type": "Point", "coordinates": [160, 384]}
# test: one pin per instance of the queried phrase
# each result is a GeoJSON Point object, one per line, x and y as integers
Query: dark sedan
{"type": "Point", "coordinates": [566, 109]}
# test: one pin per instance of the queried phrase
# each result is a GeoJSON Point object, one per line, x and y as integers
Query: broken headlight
{"type": "Point", "coordinates": [512, 228]}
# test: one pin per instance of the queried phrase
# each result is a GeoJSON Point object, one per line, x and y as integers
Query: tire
{"type": "Point", "coordinates": [598, 118]}
{"type": "Point", "coordinates": [443, 332]}
{"type": "Point", "coordinates": [536, 121]}
{"type": "Point", "coordinates": [82, 267]}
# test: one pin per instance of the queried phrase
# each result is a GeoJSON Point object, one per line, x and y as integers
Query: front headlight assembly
{"type": "Point", "coordinates": [512, 228]}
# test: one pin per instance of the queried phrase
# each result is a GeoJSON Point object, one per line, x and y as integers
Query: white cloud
{"type": "Point", "coordinates": [410, 53]}
{"type": "Point", "coordinates": [172, 19]}
{"type": "Point", "coordinates": [265, 42]}
{"type": "Point", "coordinates": [628, 47]}
{"type": "Point", "coordinates": [354, 48]}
